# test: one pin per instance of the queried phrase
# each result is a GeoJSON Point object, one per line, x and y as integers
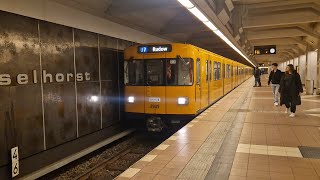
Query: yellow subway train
{"type": "Point", "coordinates": [168, 84]}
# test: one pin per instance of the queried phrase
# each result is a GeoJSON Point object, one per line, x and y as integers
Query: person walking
{"type": "Point", "coordinates": [274, 79]}
{"type": "Point", "coordinates": [290, 90]}
{"type": "Point", "coordinates": [257, 75]}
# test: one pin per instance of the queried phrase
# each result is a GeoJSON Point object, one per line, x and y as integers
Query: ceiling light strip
{"type": "Point", "coordinates": [196, 12]}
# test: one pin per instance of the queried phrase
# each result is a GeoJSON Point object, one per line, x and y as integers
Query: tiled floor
{"type": "Point", "coordinates": [243, 136]}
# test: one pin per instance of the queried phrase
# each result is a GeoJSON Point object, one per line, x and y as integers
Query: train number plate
{"type": "Point", "coordinates": [154, 99]}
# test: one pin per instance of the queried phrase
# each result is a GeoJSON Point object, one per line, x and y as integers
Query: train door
{"type": "Point", "coordinates": [210, 83]}
{"type": "Point", "coordinates": [238, 76]}
{"type": "Point", "coordinates": [208, 80]}
{"type": "Point", "coordinates": [223, 77]}
{"type": "Point", "coordinates": [198, 87]}
{"type": "Point", "coordinates": [155, 93]}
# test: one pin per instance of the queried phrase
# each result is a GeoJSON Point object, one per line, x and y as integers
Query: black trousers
{"type": "Point", "coordinates": [290, 104]}
{"type": "Point", "coordinates": [257, 81]}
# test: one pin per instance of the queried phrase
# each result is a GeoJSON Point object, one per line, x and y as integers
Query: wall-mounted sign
{"type": "Point", "coordinates": [14, 162]}
{"type": "Point", "coordinates": [260, 50]}
{"type": "Point", "coordinates": [154, 48]}
{"type": "Point", "coordinates": [6, 79]}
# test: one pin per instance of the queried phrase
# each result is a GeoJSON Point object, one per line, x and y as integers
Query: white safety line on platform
{"type": "Point", "coordinates": [269, 150]}
{"type": "Point", "coordinates": [148, 158]}
{"type": "Point", "coordinates": [129, 173]}
{"type": "Point", "coordinates": [162, 147]}
{"type": "Point", "coordinates": [173, 138]}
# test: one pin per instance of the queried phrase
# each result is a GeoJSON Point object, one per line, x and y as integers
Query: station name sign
{"type": "Point", "coordinates": [261, 50]}
{"type": "Point", "coordinates": [154, 49]}
{"type": "Point", "coordinates": [45, 77]}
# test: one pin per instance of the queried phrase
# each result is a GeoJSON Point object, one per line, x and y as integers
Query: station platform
{"type": "Point", "coordinates": [242, 136]}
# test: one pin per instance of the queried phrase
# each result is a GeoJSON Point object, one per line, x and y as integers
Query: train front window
{"type": "Point", "coordinates": [154, 69]}
{"type": "Point", "coordinates": [179, 72]}
{"type": "Point", "coordinates": [133, 73]}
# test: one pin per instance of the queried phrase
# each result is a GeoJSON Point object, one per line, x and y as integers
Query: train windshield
{"type": "Point", "coordinates": [133, 73]}
{"type": "Point", "coordinates": [179, 72]}
{"type": "Point", "coordinates": [154, 72]}
{"type": "Point", "coordinates": [159, 72]}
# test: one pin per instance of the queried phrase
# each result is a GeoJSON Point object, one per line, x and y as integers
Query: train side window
{"type": "Point", "coordinates": [207, 71]}
{"type": "Point", "coordinates": [198, 71]}
{"type": "Point", "coordinates": [210, 70]}
{"type": "Point", "coordinates": [217, 70]}
{"type": "Point", "coordinates": [227, 71]}
{"type": "Point", "coordinates": [215, 65]}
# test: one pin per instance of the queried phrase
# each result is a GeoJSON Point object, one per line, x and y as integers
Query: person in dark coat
{"type": "Point", "coordinates": [257, 74]}
{"type": "Point", "coordinates": [290, 90]}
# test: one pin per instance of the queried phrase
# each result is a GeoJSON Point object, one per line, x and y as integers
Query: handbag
{"type": "Point", "coordinates": [298, 101]}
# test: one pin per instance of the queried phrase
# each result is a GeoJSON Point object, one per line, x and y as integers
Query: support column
{"type": "Point", "coordinates": [296, 62]}
{"type": "Point", "coordinates": [302, 68]}
{"type": "Point", "coordinates": [309, 85]}
{"type": "Point", "coordinates": [312, 71]}
{"type": "Point", "coordinates": [318, 70]}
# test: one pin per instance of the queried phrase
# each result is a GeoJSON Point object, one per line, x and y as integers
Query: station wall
{"type": "Point", "coordinates": [307, 66]}
{"type": "Point", "coordinates": [57, 84]}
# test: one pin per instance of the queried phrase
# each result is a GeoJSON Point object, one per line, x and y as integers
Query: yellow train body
{"type": "Point", "coordinates": [177, 79]}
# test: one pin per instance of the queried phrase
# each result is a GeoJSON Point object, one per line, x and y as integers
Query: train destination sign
{"type": "Point", "coordinates": [260, 50]}
{"type": "Point", "coordinates": [154, 49]}
{"type": "Point", "coordinates": [7, 79]}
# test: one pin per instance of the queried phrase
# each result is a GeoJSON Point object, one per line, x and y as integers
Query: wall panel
{"type": "Point", "coordinates": [20, 104]}
{"type": "Point", "coordinates": [57, 56]}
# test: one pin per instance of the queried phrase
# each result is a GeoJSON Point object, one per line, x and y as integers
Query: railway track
{"type": "Point", "coordinates": [109, 162]}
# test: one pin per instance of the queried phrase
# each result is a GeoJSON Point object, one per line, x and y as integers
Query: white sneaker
{"type": "Point", "coordinates": [287, 111]}
{"type": "Point", "coordinates": [276, 103]}
{"type": "Point", "coordinates": [292, 115]}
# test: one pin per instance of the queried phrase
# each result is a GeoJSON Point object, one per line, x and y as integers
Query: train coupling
{"type": "Point", "coordinates": [155, 124]}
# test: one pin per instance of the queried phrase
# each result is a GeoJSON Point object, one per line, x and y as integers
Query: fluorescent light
{"type": "Point", "coordinates": [225, 39]}
{"type": "Point", "coordinates": [131, 99]}
{"type": "Point", "coordinates": [195, 11]}
{"type": "Point", "coordinates": [186, 3]}
{"type": "Point", "coordinates": [210, 25]}
{"type": "Point", "coordinates": [218, 33]}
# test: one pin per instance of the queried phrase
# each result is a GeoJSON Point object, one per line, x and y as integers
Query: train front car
{"type": "Point", "coordinates": [159, 85]}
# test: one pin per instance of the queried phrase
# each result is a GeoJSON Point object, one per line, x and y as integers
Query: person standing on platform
{"type": "Point", "coordinates": [257, 75]}
{"type": "Point", "coordinates": [274, 79]}
{"type": "Point", "coordinates": [290, 90]}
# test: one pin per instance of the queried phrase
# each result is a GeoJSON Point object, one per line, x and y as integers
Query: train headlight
{"type": "Point", "coordinates": [183, 100]}
{"type": "Point", "coordinates": [131, 99]}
